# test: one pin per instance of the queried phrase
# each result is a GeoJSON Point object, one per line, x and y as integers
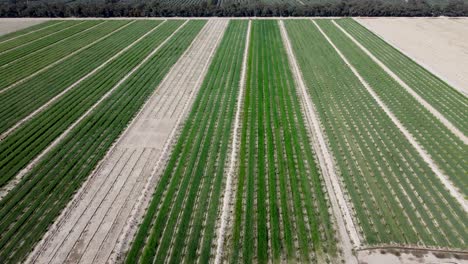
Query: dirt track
{"type": "Point", "coordinates": [89, 228]}
{"type": "Point", "coordinates": [438, 44]}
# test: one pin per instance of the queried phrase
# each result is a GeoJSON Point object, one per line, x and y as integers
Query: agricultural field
{"type": "Point", "coordinates": [229, 141]}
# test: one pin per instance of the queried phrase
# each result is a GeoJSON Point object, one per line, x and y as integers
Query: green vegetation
{"type": "Point", "coordinates": [28, 64]}
{"type": "Point", "coordinates": [439, 94]}
{"type": "Point", "coordinates": [280, 200]}
{"type": "Point", "coordinates": [23, 99]}
{"type": "Point", "coordinates": [426, 128]}
{"type": "Point", "coordinates": [26, 36]}
{"type": "Point", "coordinates": [180, 223]}
{"type": "Point", "coordinates": [28, 210]}
{"type": "Point", "coordinates": [30, 33]}
{"type": "Point", "coordinates": [29, 140]}
{"type": "Point", "coordinates": [58, 36]}
{"type": "Point", "coordinates": [396, 196]}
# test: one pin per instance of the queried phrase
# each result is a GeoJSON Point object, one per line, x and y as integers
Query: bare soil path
{"type": "Point", "coordinates": [113, 199]}
{"type": "Point", "coordinates": [421, 151]}
{"type": "Point", "coordinates": [347, 231]}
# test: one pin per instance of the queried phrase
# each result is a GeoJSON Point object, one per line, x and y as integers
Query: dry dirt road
{"type": "Point", "coordinates": [106, 208]}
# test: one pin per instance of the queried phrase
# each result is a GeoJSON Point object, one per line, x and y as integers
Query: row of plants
{"type": "Point", "coordinates": [180, 223]}
{"type": "Point", "coordinates": [29, 140]}
{"type": "Point", "coordinates": [281, 208]}
{"type": "Point", "coordinates": [23, 99]}
{"type": "Point", "coordinates": [396, 197]}
{"type": "Point", "coordinates": [32, 33]}
{"type": "Point", "coordinates": [438, 93]}
{"type": "Point", "coordinates": [28, 210]}
{"type": "Point", "coordinates": [445, 148]}
{"type": "Point", "coordinates": [28, 64]}
{"type": "Point", "coordinates": [59, 35]}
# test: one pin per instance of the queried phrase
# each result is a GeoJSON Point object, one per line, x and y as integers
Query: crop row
{"type": "Point", "coordinates": [32, 206]}
{"type": "Point", "coordinates": [180, 223]}
{"type": "Point", "coordinates": [281, 210]}
{"type": "Point", "coordinates": [23, 99]}
{"type": "Point", "coordinates": [25, 143]}
{"type": "Point", "coordinates": [53, 39]}
{"type": "Point", "coordinates": [445, 148]}
{"type": "Point", "coordinates": [439, 94]}
{"type": "Point", "coordinates": [397, 198]}
{"type": "Point", "coordinates": [33, 62]}
{"type": "Point", "coordinates": [29, 34]}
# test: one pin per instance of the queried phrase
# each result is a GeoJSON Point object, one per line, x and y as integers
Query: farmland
{"type": "Point", "coordinates": [227, 141]}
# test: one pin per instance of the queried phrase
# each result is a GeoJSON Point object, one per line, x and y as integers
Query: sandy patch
{"type": "Point", "coordinates": [438, 44]}
{"type": "Point", "coordinates": [8, 25]}
{"type": "Point", "coordinates": [407, 256]}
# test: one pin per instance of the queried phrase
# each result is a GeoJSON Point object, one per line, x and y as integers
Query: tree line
{"type": "Point", "coordinates": [156, 8]}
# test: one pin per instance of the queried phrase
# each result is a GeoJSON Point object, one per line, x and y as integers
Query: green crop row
{"type": "Point", "coordinates": [279, 197]}
{"type": "Point", "coordinates": [44, 43]}
{"type": "Point", "coordinates": [29, 64]}
{"type": "Point", "coordinates": [25, 143]}
{"type": "Point", "coordinates": [28, 210]}
{"type": "Point", "coordinates": [195, 171]}
{"type": "Point", "coordinates": [445, 148]}
{"type": "Point", "coordinates": [450, 102]}
{"type": "Point", "coordinates": [396, 197]}
{"type": "Point", "coordinates": [27, 35]}
{"type": "Point", "coordinates": [23, 99]}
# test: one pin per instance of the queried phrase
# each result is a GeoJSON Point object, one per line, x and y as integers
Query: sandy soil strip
{"type": "Point", "coordinates": [62, 59]}
{"type": "Point", "coordinates": [43, 37]}
{"type": "Point", "coordinates": [410, 255]}
{"type": "Point", "coordinates": [228, 193]}
{"type": "Point", "coordinates": [88, 229]}
{"type": "Point", "coordinates": [418, 98]}
{"type": "Point", "coordinates": [58, 96]}
{"type": "Point", "coordinates": [347, 232]}
{"type": "Point", "coordinates": [10, 25]}
{"type": "Point", "coordinates": [4, 191]}
{"type": "Point", "coordinates": [437, 44]}
{"type": "Point", "coordinates": [425, 156]}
